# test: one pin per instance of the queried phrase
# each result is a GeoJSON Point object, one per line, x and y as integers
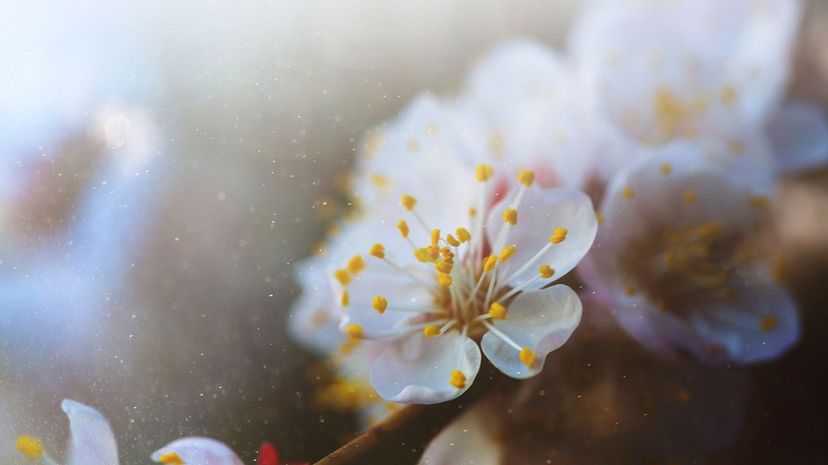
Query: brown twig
{"type": "Point", "coordinates": [402, 437]}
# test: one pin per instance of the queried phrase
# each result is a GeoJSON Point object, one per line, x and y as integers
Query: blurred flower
{"type": "Point", "coordinates": [91, 440]}
{"type": "Point", "coordinates": [469, 440]}
{"type": "Point", "coordinates": [679, 261]}
{"type": "Point", "coordinates": [654, 72]}
{"type": "Point", "coordinates": [206, 451]}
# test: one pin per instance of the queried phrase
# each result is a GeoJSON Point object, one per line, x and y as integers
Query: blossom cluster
{"type": "Point", "coordinates": [645, 159]}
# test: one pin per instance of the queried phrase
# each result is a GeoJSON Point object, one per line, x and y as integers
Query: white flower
{"type": "Point", "coordinates": [91, 440]}
{"type": "Point", "coordinates": [468, 256]}
{"type": "Point", "coordinates": [196, 451]}
{"type": "Point", "coordinates": [679, 263]}
{"type": "Point", "coordinates": [655, 71]}
{"type": "Point", "coordinates": [522, 94]}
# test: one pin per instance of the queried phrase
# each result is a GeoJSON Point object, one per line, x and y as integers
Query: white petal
{"type": "Point", "coordinates": [416, 370]}
{"type": "Point", "coordinates": [538, 320]}
{"type": "Point", "coordinates": [799, 133]}
{"type": "Point", "coordinates": [740, 326]}
{"type": "Point", "coordinates": [92, 441]}
{"type": "Point", "coordinates": [407, 300]}
{"type": "Point", "coordinates": [314, 317]}
{"type": "Point", "coordinates": [199, 451]}
{"type": "Point", "coordinates": [539, 213]}
{"type": "Point", "coordinates": [467, 441]}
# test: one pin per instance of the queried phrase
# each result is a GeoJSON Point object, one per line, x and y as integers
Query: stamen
{"type": "Point", "coordinates": [444, 266]}
{"type": "Point", "coordinates": [377, 250]}
{"type": "Point", "coordinates": [666, 169]}
{"type": "Point", "coordinates": [354, 330]}
{"type": "Point", "coordinates": [452, 241]}
{"type": "Point", "coordinates": [431, 331]}
{"type": "Point", "coordinates": [402, 226]}
{"type": "Point", "coordinates": [507, 253]}
{"type": "Point", "coordinates": [628, 192]}
{"type": "Point", "coordinates": [345, 299]}
{"type": "Point", "coordinates": [422, 254]}
{"type": "Point", "coordinates": [380, 304]}
{"type": "Point", "coordinates": [489, 263]}
{"type": "Point", "coordinates": [501, 335]}
{"type": "Point", "coordinates": [546, 271]}
{"type": "Point", "coordinates": [356, 264]}
{"type": "Point", "coordinates": [171, 458]}
{"type": "Point", "coordinates": [408, 202]}
{"type": "Point", "coordinates": [526, 177]}
{"type": "Point", "coordinates": [444, 279]}
{"type": "Point", "coordinates": [458, 379]}
{"type": "Point", "coordinates": [342, 276]}
{"type": "Point", "coordinates": [31, 447]}
{"type": "Point", "coordinates": [510, 216]}
{"type": "Point", "coordinates": [463, 234]}
{"type": "Point", "coordinates": [498, 311]}
{"type": "Point", "coordinates": [527, 357]}
{"type": "Point", "coordinates": [558, 235]}
{"type": "Point", "coordinates": [484, 172]}
{"type": "Point", "coordinates": [435, 237]}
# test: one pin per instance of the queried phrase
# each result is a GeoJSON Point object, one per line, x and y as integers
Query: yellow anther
{"type": "Point", "coordinates": [498, 311]}
{"type": "Point", "coordinates": [526, 177]}
{"type": "Point", "coordinates": [435, 237]}
{"type": "Point", "coordinates": [31, 447]}
{"type": "Point", "coordinates": [599, 216]}
{"type": "Point", "coordinates": [444, 279]}
{"type": "Point", "coordinates": [447, 253]}
{"type": "Point", "coordinates": [527, 357]}
{"type": "Point", "coordinates": [484, 172]}
{"type": "Point", "coordinates": [171, 458]}
{"type": "Point", "coordinates": [380, 303]}
{"type": "Point", "coordinates": [628, 192]}
{"type": "Point", "coordinates": [759, 201]}
{"type": "Point", "coordinates": [689, 197]}
{"type": "Point", "coordinates": [558, 235]}
{"type": "Point", "coordinates": [344, 299]}
{"type": "Point", "coordinates": [510, 216]}
{"type": "Point", "coordinates": [433, 252]}
{"type": "Point", "coordinates": [728, 95]}
{"type": "Point", "coordinates": [463, 234]}
{"type": "Point", "coordinates": [356, 264]}
{"type": "Point", "coordinates": [444, 266]}
{"type": "Point", "coordinates": [666, 169]}
{"type": "Point", "coordinates": [354, 330]}
{"type": "Point", "coordinates": [422, 254]}
{"type": "Point", "coordinates": [546, 271]}
{"type": "Point", "coordinates": [472, 212]}
{"type": "Point", "coordinates": [458, 379]}
{"type": "Point", "coordinates": [769, 323]}
{"type": "Point", "coordinates": [377, 250]}
{"type": "Point", "coordinates": [629, 289]}
{"type": "Point", "coordinates": [431, 331]}
{"type": "Point", "coordinates": [452, 241]}
{"type": "Point", "coordinates": [736, 148]}
{"type": "Point", "coordinates": [402, 226]}
{"type": "Point", "coordinates": [507, 253]}
{"type": "Point", "coordinates": [489, 263]}
{"type": "Point", "coordinates": [342, 276]}
{"type": "Point", "coordinates": [408, 202]}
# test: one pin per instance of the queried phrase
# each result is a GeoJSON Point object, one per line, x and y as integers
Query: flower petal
{"type": "Point", "coordinates": [759, 325]}
{"type": "Point", "coordinates": [314, 317]}
{"type": "Point", "coordinates": [541, 321]}
{"type": "Point", "coordinates": [539, 213]}
{"type": "Point", "coordinates": [799, 132]}
{"type": "Point", "coordinates": [199, 451]}
{"type": "Point", "coordinates": [407, 300]}
{"type": "Point", "coordinates": [92, 441]}
{"type": "Point", "coordinates": [416, 370]}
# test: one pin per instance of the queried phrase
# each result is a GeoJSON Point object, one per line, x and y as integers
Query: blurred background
{"type": "Point", "coordinates": [163, 165]}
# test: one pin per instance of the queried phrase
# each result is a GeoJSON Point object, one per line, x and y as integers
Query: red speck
{"type": "Point", "coordinates": [268, 455]}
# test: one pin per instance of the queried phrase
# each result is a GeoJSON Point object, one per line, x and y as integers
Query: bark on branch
{"type": "Point", "coordinates": [402, 437]}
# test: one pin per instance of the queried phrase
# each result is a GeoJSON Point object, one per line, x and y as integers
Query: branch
{"type": "Point", "coordinates": [402, 437]}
